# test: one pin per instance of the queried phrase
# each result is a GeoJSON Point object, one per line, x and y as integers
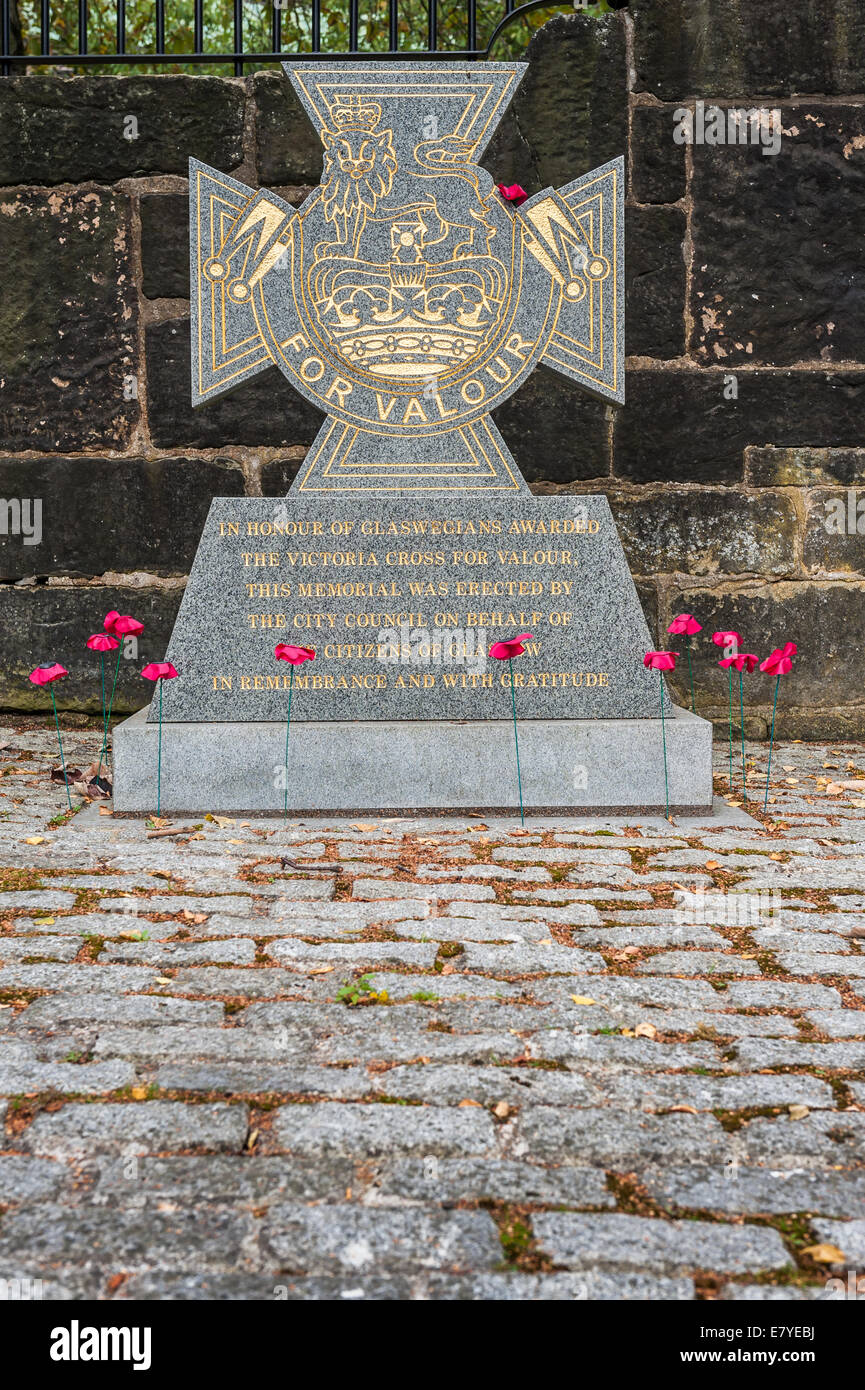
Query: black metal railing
{"type": "Point", "coordinates": [79, 35]}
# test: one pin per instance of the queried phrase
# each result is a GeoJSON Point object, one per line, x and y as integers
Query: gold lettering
{"type": "Point", "coordinates": [414, 410]}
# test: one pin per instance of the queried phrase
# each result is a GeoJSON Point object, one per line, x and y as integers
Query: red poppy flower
{"type": "Point", "coordinates": [777, 664]}
{"type": "Point", "coordinates": [727, 639]}
{"type": "Point", "coordinates": [503, 651]}
{"type": "Point", "coordinates": [102, 642]}
{"type": "Point", "coordinates": [660, 661]}
{"type": "Point", "coordinates": [284, 651]}
{"type": "Point", "coordinates": [110, 620]}
{"type": "Point", "coordinates": [127, 627]}
{"type": "Point", "coordinates": [745, 661]}
{"type": "Point", "coordinates": [789, 649]}
{"type": "Point", "coordinates": [44, 675]}
{"type": "Point", "coordinates": [512, 193]}
{"type": "Point", "coordinates": [160, 670]}
{"type": "Point", "coordinates": [684, 623]}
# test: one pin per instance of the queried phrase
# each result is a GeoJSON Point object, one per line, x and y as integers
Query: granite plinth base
{"type": "Point", "coordinates": [374, 766]}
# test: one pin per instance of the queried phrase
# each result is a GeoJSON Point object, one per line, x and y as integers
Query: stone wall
{"type": "Point", "coordinates": [745, 330]}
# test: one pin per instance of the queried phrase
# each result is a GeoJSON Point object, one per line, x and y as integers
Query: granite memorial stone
{"type": "Point", "coordinates": [406, 298]}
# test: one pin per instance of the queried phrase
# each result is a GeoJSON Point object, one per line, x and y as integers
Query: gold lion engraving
{"type": "Point", "coordinates": [359, 165]}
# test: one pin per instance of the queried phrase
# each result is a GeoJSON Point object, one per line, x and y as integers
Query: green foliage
{"type": "Point", "coordinates": [257, 29]}
{"type": "Point", "coordinates": [360, 992]}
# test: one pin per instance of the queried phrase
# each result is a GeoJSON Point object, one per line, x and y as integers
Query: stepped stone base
{"type": "Point", "coordinates": [377, 766]}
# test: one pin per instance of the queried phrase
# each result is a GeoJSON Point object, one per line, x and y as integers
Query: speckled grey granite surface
{"type": "Point", "coordinates": [406, 297]}
{"type": "Point", "coordinates": [401, 600]}
{"type": "Point", "coordinates": [603, 765]}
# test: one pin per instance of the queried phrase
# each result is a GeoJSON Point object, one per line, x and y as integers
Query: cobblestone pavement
{"type": "Point", "coordinates": [434, 1058]}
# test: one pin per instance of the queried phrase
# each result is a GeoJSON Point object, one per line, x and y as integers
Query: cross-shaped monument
{"type": "Point", "coordinates": [406, 298]}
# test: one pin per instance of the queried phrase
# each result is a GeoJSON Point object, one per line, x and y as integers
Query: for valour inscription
{"type": "Point", "coordinates": [405, 298]}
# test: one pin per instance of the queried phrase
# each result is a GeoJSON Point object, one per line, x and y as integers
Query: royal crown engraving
{"type": "Point", "coordinates": [405, 298]}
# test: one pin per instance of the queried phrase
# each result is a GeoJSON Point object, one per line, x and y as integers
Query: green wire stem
{"type": "Point", "coordinates": [60, 742]}
{"type": "Point", "coordinates": [516, 740]}
{"type": "Point", "coordinates": [102, 749]}
{"type": "Point", "coordinates": [690, 670]}
{"type": "Point", "coordinates": [110, 704]}
{"type": "Point", "coordinates": [730, 682]}
{"type": "Point", "coordinates": [159, 757]}
{"type": "Point", "coordinates": [664, 738]}
{"type": "Point", "coordinates": [771, 741]}
{"type": "Point", "coordinates": [287, 728]}
{"type": "Point", "coordinates": [742, 723]}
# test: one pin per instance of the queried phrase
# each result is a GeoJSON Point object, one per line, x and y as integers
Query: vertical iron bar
{"type": "Point", "coordinates": [316, 26]}
{"type": "Point", "coordinates": [121, 24]}
{"type": "Point", "coordinates": [198, 26]}
{"type": "Point", "coordinates": [393, 26]}
{"type": "Point", "coordinates": [352, 26]}
{"type": "Point", "coordinates": [160, 26]}
{"type": "Point", "coordinates": [238, 38]}
{"type": "Point", "coordinates": [276, 39]}
{"type": "Point", "coordinates": [432, 34]}
{"type": "Point", "coordinates": [82, 26]}
{"type": "Point", "coordinates": [472, 18]}
{"type": "Point", "coordinates": [5, 38]}
{"type": "Point", "coordinates": [45, 27]}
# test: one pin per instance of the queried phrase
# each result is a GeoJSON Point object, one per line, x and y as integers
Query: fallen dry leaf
{"type": "Point", "coordinates": [196, 917]}
{"type": "Point", "coordinates": [645, 1030]}
{"type": "Point", "coordinates": [96, 787]}
{"type": "Point", "coordinates": [320, 969]}
{"type": "Point", "coordinates": [798, 1112]}
{"type": "Point", "coordinates": [105, 811]}
{"type": "Point", "coordinates": [502, 1110]}
{"type": "Point", "coordinates": [35, 840]}
{"type": "Point", "coordinates": [163, 980]}
{"type": "Point", "coordinates": [684, 1110]}
{"type": "Point", "coordinates": [44, 921]}
{"type": "Point", "coordinates": [139, 1093]}
{"type": "Point", "coordinates": [582, 999]}
{"type": "Point", "coordinates": [712, 864]}
{"type": "Point", "coordinates": [825, 1254]}
{"type": "Point", "coordinates": [473, 1104]}
{"type": "Point", "coordinates": [252, 1140]}
{"type": "Point", "coordinates": [74, 774]}
{"type": "Point", "coordinates": [364, 825]}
